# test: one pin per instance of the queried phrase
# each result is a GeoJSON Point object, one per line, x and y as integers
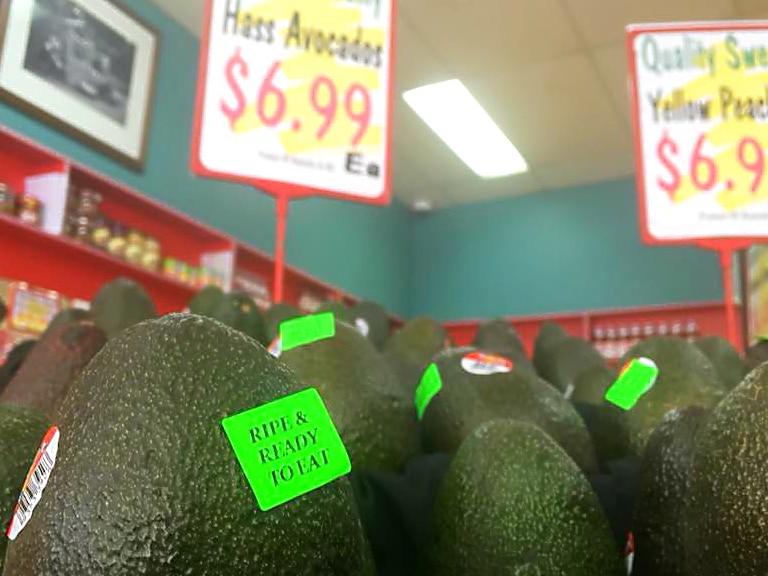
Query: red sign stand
{"type": "Point", "coordinates": [281, 211]}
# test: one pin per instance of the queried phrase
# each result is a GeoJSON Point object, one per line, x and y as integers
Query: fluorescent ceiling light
{"type": "Point", "coordinates": [459, 120]}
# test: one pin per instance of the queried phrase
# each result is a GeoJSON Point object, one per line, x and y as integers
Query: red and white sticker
{"type": "Point", "coordinates": [482, 364]}
{"type": "Point", "coordinates": [35, 483]}
{"type": "Point", "coordinates": [276, 348]}
{"type": "Point", "coordinates": [362, 326]}
{"type": "Point", "coordinates": [629, 552]}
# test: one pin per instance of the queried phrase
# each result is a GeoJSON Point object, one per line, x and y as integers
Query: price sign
{"type": "Point", "coordinates": [294, 96]}
{"type": "Point", "coordinates": [700, 104]}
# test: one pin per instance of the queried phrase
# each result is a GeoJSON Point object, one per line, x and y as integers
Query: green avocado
{"type": "Point", "coordinates": [725, 511]}
{"type": "Point", "coordinates": [276, 315]}
{"type": "Point", "coordinates": [663, 486]}
{"type": "Point", "coordinates": [567, 360]}
{"type": "Point", "coordinates": [607, 422]}
{"type": "Point", "coordinates": [550, 335]}
{"type": "Point", "coordinates": [372, 321]}
{"type": "Point", "coordinates": [410, 349]}
{"type": "Point", "coordinates": [206, 301]}
{"type": "Point", "coordinates": [686, 378]}
{"type": "Point", "coordinates": [756, 355]}
{"type": "Point", "coordinates": [69, 316]}
{"type": "Point", "coordinates": [726, 360]}
{"type": "Point", "coordinates": [375, 419]}
{"type": "Point", "coordinates": [240, 312]}
{"type": "Point", "coordinates": [468, 400]}
{"type": "Point", "coordinates": [21, 431]}
{"type": "Point", "coordinates": [63, 352]}
{"type": "Point", "coordinates": [499, 337]}
{"type": "Point", "coordinates": [340, 311]}
{"type": "Point", "coordinates": [121, 304]}
{"type": "Point", "coordinates": [513, 503]}
{"type": "Point", "coordinates": [146, 481]}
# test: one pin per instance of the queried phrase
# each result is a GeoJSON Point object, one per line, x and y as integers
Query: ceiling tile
{"type": "Point", "coordinates": [482, 36]}
{"type": "Point", "coordinates": [485, 190]}
{"type": "Point", "coordinates": [608, 166]}
{"type": "Point", "coordinates": [415, 64]}
{"type": "Point", "coordinates": [603, 22]}
{"type": "Point", "coordinates": [408, 182]}
{"type": "Point", "coordinates": [612, 66]}
{"type": "Point", "coordinates": [555, 112]}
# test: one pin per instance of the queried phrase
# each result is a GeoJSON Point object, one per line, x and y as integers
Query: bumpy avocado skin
{"type": "Point", "coordinates": [567, 360]}
{"type": "Point", "coordinates": [549, 336]}
{"type": "Point", "coordinates": [727, 504]}
{"type": "Point", "coordinates": [608, 426]}
{"type": "Point", "coordinates": [499, 337]}
{"type": "Point", "coordinates": [21, 431]}
{"type": "Point", "coordinates": [377, 320]}
{"type": "Point", "coordinates": [726, 360]}
{"type": "Point", "coordinates": [512, 502]}
{"type": "Point", "coordinates": [410, 350]}
{"type": "Point", "coordinates": [121, 304]}
{"type": "Point", "coordinates": [240, 312]}
{"type": "Point", "coordinates": [375, 419]}
{"type": "Point", "coordinates": [467, 401]}
{"type": "Point", "coordinates": [663, 486]}
{"type": "Point", "coordinates": [146, 482]}
{"type": "Point", "coordinates": [686, 378]}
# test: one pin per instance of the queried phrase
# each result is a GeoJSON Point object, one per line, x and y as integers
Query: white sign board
{"type": "Point", "coordinates": [700, 105]}
{"type": "Point", "coordinates": [295, 96]}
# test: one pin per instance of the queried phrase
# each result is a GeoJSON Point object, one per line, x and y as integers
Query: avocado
{"type": "Point", "coordinates": [21, 431]}
{"type": "Point", "coordinates": [725, 511]}
{"type": "Point", "coordinates": [44, 379]}
{"type": "Point", "coordinates": [606, 422]}
{"type": "Point", "coordinates": [206, 300]}
{"type": "Point", "coordinates": [499, 337]}
{"type": "Point", "coordinates": [239, 311]}
{"type": "Point", "coordinates": [374, 418]}
{"type": "Point", "coordinates": [16, 358]}
{"type": "Point", "coordinates": [372, 321]}
{"type": "Point", "coordinates": [726, 360]}
{"type": "Point", "coordinates": [550, 335]}
{"type": "Point", "coordinates": [276, 315]}
{"type": "Point", "coordinates": [146, 481]}
{"type": "Point", "coordinates": [686, 378]}
{"type": "Point", "coordinates": [121, 304]}
{"type": "Point", "coordinates": [467, 401]}
{"type": "Point", "coordinates": [756, 355]}
{"type": "Point", "coordinates": [663, 486]}
{"type": "Point", "coordinates": [340, 311]}
{"type": "Point", "coordinates": [69, 316]}
{"type": "Point", "coordinates": [512, 502]}
{"type": "Point", "coordinates": [410, 349]}
{"type": "Point", "coordinates": [567, 359]}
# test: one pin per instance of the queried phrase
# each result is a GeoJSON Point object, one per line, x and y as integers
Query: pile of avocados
{"type": "Point", "coordinates": [231, 439]}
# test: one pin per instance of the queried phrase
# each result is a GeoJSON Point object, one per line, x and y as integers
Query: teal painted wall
{"type": "Point", "coordinates": [561, 251]}
{"type": "Point", "coordinates": [361, 249]}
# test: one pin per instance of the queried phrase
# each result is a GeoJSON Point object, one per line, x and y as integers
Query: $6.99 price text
{"type": "Point", "coordinates": [702, 169]}
{"type": "Point", "coordinates": [271, 102]}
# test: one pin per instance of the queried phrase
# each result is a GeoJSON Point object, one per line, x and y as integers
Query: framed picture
{"type": "Point", "coordinates": [85, 66]}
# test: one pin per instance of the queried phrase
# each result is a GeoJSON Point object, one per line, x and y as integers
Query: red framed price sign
{"type": "Point", "coordinates": [700, 109]}
{"type": "Point", "coordinates": [295, 96]}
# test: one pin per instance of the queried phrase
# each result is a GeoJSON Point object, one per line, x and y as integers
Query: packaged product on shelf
{"type": "Point", "coordinates": [134, 247]}
{"type": "Point", "coordinates": [7, 200]}
{"type": "Point", "coordinates": [255, 286]}
{"type": "Point", "coordinates": [150, 260]}
{"type": "Point", "coordinates": [30, 310]}
{"type": "Point", "coordinates": [31, 211]}
{"type": "Point", "coordinates": [117, 240]}
{"type": "Point", "coordinates": [101, 234]}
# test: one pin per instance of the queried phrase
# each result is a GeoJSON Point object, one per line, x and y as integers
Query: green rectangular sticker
{"type": "Point", "coordinates": [430, 385]}
{"type": "Point", "coordinates": [287, 448]}
{"type": "Point", "coordinates": [307, 329]}
{"type": "Point", "coordinates": [634, 381]}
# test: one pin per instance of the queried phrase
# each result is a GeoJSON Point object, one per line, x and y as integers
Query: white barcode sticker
{"type": "Point", "coordinates": [569, 390]}
{"type": "Point", "coordinates": [37, 480]}
{"type": "Point", "coordinates": [481, 364]}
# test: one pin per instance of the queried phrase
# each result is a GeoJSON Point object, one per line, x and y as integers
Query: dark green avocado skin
{"type": "Point", "coordinates": [467, 400]}
{"type": "Point", "coordinates": [726, 360]}
{"type": "Point", "coordinates": [567, 360]}
{"type": "Point", "coordinates": [146, 482]}
{"type": "Point", "coordinates": [21, 431]}
{"type": "Point", "coordinates": [663, 486]}
{"type": "Point", "coordinates": [240, 312]}
{"type": "Point", "coordinates": [499, 337]}
{"type": "Point", "coordinates": [513, 503]}
{"type": "Point", "coordinates": [121, 304]}
{"type": "Point", "coordinates": [276, 315]}
{"type": "Point", "coordinates": [727, 505]}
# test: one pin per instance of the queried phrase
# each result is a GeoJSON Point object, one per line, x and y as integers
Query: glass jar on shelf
{"type": "Point", "coordinates": [31, 211]}
{"type": "Point", "coordinates": [7, 200]}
